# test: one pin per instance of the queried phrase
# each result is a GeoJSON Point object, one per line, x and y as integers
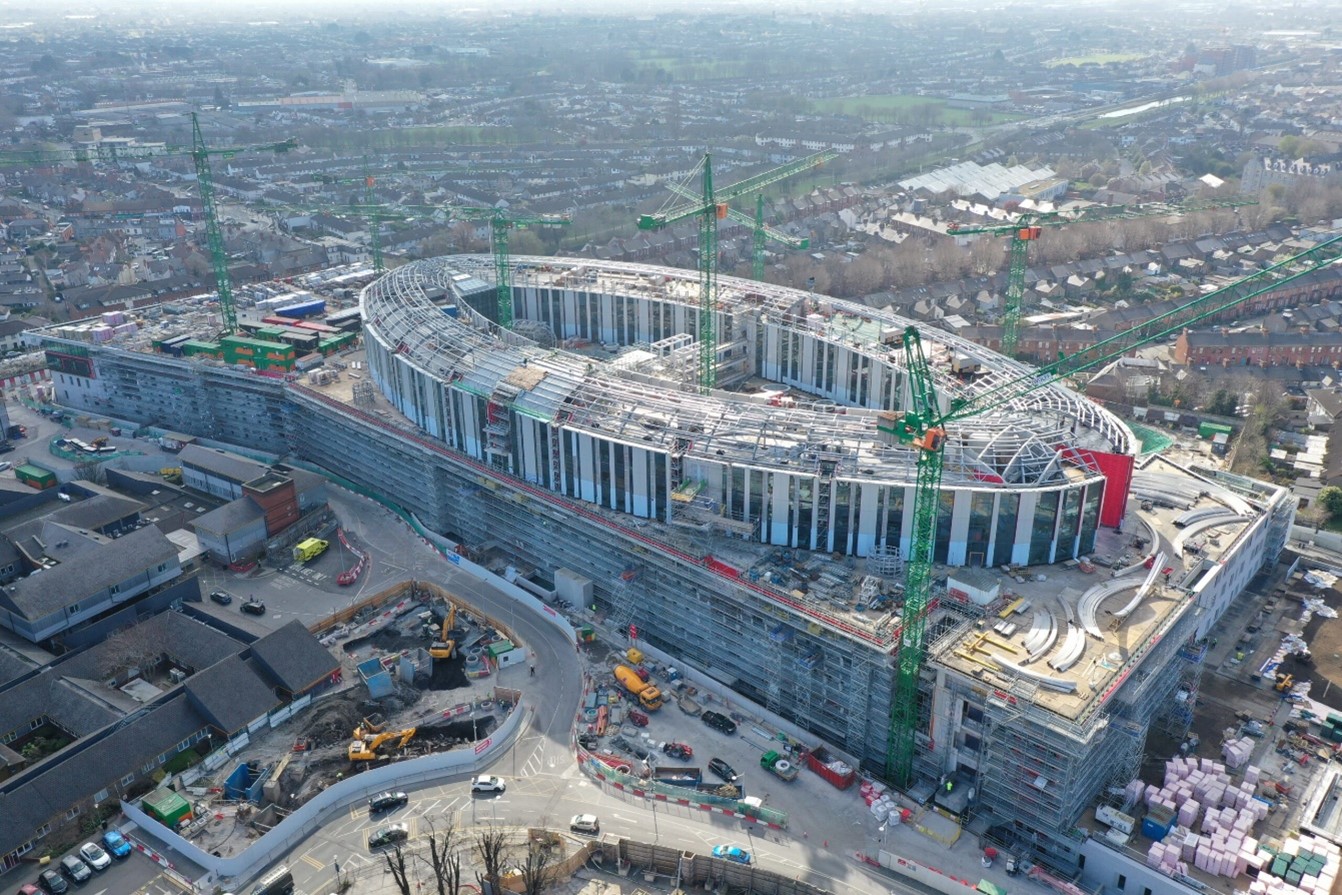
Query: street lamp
{"type": "Point", "coordinates": [656, 833]}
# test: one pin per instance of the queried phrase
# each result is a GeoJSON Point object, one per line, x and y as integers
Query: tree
{"type": "Point", "coordinates": [1330, 498]}
{"type": "Point", "coordinates": [537, 873]}
{"type": "Point", "coordinates": [395, 860]}
{"type": "Point", "coordinates": [493, 847]}
{"type": "Point", "coordinates": [1223, 403]}
{"type": "Point", "coordinates": [444, 859]}
{"type": "Point", "coordinates": [131, 649]}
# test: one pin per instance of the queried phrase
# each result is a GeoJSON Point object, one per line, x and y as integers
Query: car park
{"type": "Point", "coordinates": [723, 770]}
{"type": "Point", "coordinates": [92, 854]}
{"type": "Point", "coordinates": [76, 869]}
{"type": "Point", "coordinates": [719, 722]}
{"type": "Point", "coordinates": [488, 783]}
{"type": "Point", "coordinates": [386, 801]}
{"type": "Point", "coordinates": [585, 823]}
{"type": "Point", "coordinates": [116, 844]}
{"type": "Point", "coordinates": [732, 853]}
{"type": "Point", "coordinates": [52, 883]}
{"type": "Point", "coordinates": [253, 607]}
{"type": "Point", "coordinates": [222, 597]}
{"type": "Point", "coordinates": [389, 835]}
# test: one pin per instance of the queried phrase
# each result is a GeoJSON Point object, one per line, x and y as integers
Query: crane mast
{"type": "Point", "coordinates": [923, 427]}
{"type": "Point", "coordinates": [500, 225]}
{"type": "Point", "coordinates": [708, 207]}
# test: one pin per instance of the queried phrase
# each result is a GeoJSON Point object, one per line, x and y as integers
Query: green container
{"type": "Point", "coordinates": [1280, 865]}
{"type": "Point", "coordinates": [1207, 430]}
{"type": "Point", "coordinates": [35, 476]}
{"type": "Point", "coordinates": [167, 807]}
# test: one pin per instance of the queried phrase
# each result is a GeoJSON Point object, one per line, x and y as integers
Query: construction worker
{"type": "Point", "coordinates": [533, 670]}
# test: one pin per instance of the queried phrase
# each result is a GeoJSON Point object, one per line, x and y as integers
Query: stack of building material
{"type": "Point", "coordinates": [1307, 865]}
{"type": "Point", "coordinates": [1213, 818]}
{"type": "Point", "coordinates": [1237, 752]}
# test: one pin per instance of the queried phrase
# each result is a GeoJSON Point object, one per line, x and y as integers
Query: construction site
{"type": "Point", "coordinates": [1070, 591]}
{"type": "Point", "coordinates": [419, 678]}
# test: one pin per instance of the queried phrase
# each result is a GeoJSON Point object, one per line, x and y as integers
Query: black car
{"type": "Point", "coordinates": [222, 597]}
{"type": "Point", "coordinates": [723, 770]}
{"type": "Point", "coordinates": [386, 801]}
{"type": "Point", "coordinates": [720, 722]}
{"type": "Point", "coordinates": [253, 607]}
{"type": "Point", "coordinates": [390, 835]}
{"type": "Point", "coordinates": [52, 883]}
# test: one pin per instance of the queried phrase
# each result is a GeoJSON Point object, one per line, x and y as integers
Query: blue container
{"type": "Point", "coordinates": [1153, 830]}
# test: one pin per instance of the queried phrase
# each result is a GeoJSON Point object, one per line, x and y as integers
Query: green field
{"type": "Point", "coordinates": [905, 109]}
{"type": "Point", "coordinates": [1095, 59]}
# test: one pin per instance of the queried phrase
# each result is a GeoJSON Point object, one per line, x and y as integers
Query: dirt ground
{"type": "Point", "coordinates": [1324, 636]}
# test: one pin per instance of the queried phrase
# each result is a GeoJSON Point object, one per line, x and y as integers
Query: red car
{"type": "Point", "coordinates": [638, 717]}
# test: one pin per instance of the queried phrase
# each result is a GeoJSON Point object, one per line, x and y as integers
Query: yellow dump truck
{"type": "Point", "coordinates": [309, 548]}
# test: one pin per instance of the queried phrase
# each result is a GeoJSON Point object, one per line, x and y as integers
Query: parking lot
{"type": "Point", "coordinates": [134, 875]}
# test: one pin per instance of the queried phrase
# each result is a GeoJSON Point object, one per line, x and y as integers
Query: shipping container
{"type": "Point", "coordinates": [276, 320]}
{"type": "Point", "coordinates": [302, 309]}
{"type": "Point", "coordinates": [315, 327]}
{"type": "Point", "coordinates": [35, 476]}
{"type": "Point", "coordinates": [167, 807]}
{"type": "Point", "coordinates": [207, 349]}
{"type": "Point", "coordinates": [348, 320]}
{"type": "Point", "coordinates": [1207, 430]}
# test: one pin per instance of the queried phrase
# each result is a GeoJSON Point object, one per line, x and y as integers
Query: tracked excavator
{"type": "Point", "coordinates": [365, 745]}
{"type": "Point", "coordinates": [445, 647]}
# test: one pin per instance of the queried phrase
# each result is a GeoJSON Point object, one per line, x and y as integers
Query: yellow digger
{"type": "Point", "coordinates": [445, 647]}
{"type": "Point", "coordinates": [365, 746]}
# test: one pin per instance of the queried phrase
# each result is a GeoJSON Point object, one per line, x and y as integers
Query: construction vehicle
{"type": "Point", "coordinates": [648, 696]}
{"type": "Point", "coordinates": [923, 424]}
{"type": "Point", "coordinates": [445, 647]}
{"type": "Point", "coordinates": [1285, 682]}
{"type": "Point", "coordinates": [171, 474]}
{"type": "Point", "coordinates": [309, 548]}
{"type": "Point", "coordinates": [777, 764]}
{"type": "Point", "coordinates": [708, 207]}
{"type": "Point", "coordinates": [365, 748]}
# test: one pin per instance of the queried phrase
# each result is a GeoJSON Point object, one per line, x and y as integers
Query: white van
{"type": "Point", "coordinates": [585, 823]}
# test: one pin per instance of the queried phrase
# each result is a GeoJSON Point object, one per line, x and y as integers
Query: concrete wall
{"type": "Point", "coordinates": [282, 839]}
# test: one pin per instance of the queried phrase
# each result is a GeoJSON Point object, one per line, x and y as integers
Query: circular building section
{"type": "Point", "coordinates": [593, 395]}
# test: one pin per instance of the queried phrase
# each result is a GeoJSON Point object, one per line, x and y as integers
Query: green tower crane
{"type": "Point", "coordinates": [1028, 227]}
{"type": "Point", "coordinates": [708, 207]}
{"type": "Point", "coordinates": [500, 225]}
{"type": "Point", "coordinates": [200, 155]}
{"type": "Point", "coordinates": [761, 232]}
{"type": "Point", "coordinates": [924, 424]}
{"type": "Point", "coordinates": [368, 210]}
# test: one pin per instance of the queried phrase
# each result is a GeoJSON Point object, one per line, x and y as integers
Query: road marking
{"type": "Point", "coordinates": [308, 859]}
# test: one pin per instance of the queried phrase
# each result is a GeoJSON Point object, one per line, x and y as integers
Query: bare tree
{"type": "Point", "coordinates": [537, 873]}
{"type": "Point", "coordinates": [493, 847]}
{"type": "Point", "coordinates": [396, 866]}
{"type": "Point", "coordinates": [444, 859]}
{"type": "Point", "coordinates": [131, 649]}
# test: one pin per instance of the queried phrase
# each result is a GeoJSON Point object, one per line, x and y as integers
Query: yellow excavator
{"type": "Point", "coordinates": [365, 747]}
{"type": "Point", "coordinates": [444, 647]}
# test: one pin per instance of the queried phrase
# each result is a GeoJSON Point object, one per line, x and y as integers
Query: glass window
{"type": "Point", "coordinates": [894, 517]}
{"type": "Point", "coordinates": [1090, 516]}
{"type": "Point", "coordinates": [1007, 508]}
{"type": "Point", "coordinates": [1041, 532]}
{"type": "Point", "coordinates": [840, 518]}
{"type": "Point", "coordinates": [1071, 519]}
{"type": "Point", "coordinates": [980, 522]}
{"type": "Point", "coordinates": [945, 508]}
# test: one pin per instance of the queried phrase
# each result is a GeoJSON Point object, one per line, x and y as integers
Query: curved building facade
{"type": "Point", "coordinates": [592, 395]}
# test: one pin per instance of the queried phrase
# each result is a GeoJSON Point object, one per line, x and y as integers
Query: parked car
{"type": "Point", "coordinates": [29, 889]}
{"type": "Point", "coordinates": [116, 844]}
{"type": "Point", "coordinates": [253, 607]}
{"type": "Point", "coordinates": [585, 823]}
{"type": "Point", "coordinates": [723, 770]}
{"type": "Point", "coordinates": [6, 466]}
{"type": "Point", "coordinates": [222, 597]}
{"type": "Point", "coordinates": [719, 722]}
{"type": "Point", "coordinates": [386, 801]}
{"type": "Point", "coordinates": [76, 869]}
{"type": "Point", "coordinates": [92, 854]}
{"type": "Point", "coordinates": [52, 883]}
{"type": "Point", "coordinates": [488, 783]}
{"type": "Point", "coordinates": [389, 835]}
{"type": "Point", "coordinates": [732, 853]}
{"type": "Point", "coordinates": [678, 751]}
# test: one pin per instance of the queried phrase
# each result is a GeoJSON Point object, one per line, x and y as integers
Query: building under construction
{"type": "Point", "coordinates": [756, 532]}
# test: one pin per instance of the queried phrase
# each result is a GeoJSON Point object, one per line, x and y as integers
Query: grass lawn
{"type": "Point", "coordinates": [1095, 59]}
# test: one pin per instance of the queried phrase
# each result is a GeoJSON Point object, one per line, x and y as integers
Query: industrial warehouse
{"type": "Point", "coordinates": [756, 532]}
